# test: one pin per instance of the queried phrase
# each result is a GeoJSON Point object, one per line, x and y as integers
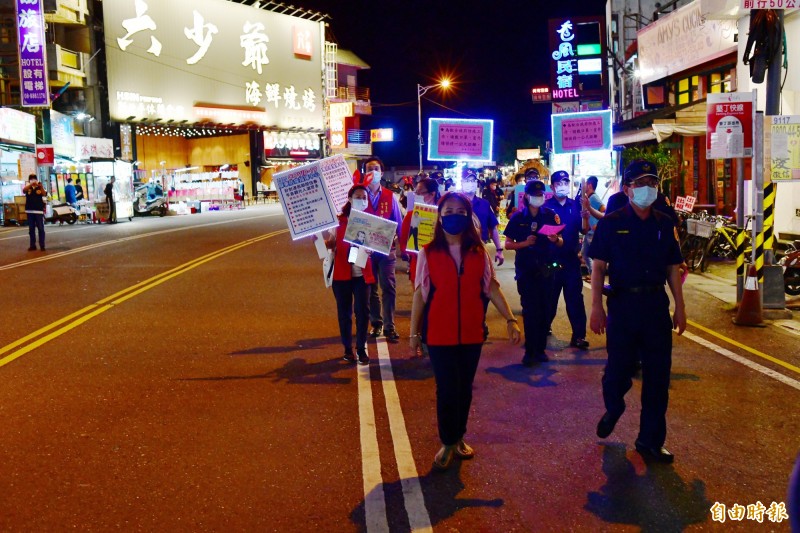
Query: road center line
{"type": "Point", "coordinates": [93, 310]}
{"type": "Point", "coordinates": [374, 497]}
{"type": "Point", "coordinates": [418, 517]}
{"type": "Point", "coordinates": [743, 360]}
{"type": "Point", "coordinates": [50, 257]}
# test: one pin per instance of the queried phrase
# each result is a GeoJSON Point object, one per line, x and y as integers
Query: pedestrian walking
{"type": "Point", "coordinates": [455, 278]}
{"type": "Point", "coordinates": [534, 266]}
{"type": "Point", "coordinates": [567, 278]}
{"type": "Point", "coordinates": [35, 201]}
{"type": "Point", "coordinates": [494, 195]}
{"type": "Point", "coordinates": [351, 283]}
{"type": "Point", "coordinates": [112, 207]}
{"type": "Point", "coordinates": [426, 192]}
{"type": "Point", "coordinates": [636, 246]}
{"type": "Point", "coordinates": [78, 190]}
{"type": "Point", "coordinates": [382, 203]}
{"type": "Point", "coordinates": [70, 193]}
{"type": "Point", "coordinates": [591, 202]}
{"type": "Point", "coordinates": [483, 213]}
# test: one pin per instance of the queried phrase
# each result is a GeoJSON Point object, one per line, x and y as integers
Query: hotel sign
{"type": "Point", "coordinates": [31, 48]}
{"type": "Point", "coordinates": [212, 60]}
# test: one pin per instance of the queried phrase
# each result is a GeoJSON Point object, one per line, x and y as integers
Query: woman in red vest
{"type": "Point", "coordinates": [455, 278]}
{"type": "Point", "coordinates": [351, 284]}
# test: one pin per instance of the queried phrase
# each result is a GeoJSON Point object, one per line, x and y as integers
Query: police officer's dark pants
{"type": "Point", "coordinates": [383, 267]}
{"type": "Point", "coordinates": [347, 293]}
{"type": "Point", "coordinates": [535, 290]}
{"type": "Point", "coordinates": [36, 222]}
{"type": "Point", "coordinates": [639, 325]}
{"type": "Point", "coordinates": [454, 368]}
{"type": "Point", "coordinates": [568, 279]}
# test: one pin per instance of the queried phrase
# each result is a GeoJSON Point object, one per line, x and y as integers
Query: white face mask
{"type": "Point", "coordinates": [561, 191]}
{"type": "Point", "coordinates": [469, 187]}
{"type": "Point", "coordinates": [376, 175]}
{"type": "Point", "coordinates": [644, 196]}
{"type": "Point", "coordinates": [536, 201]}
{"type": "Point", "coordinates": [359, 204]}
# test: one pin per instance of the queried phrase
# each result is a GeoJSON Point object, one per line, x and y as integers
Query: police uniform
{"type": "Point", "coordinates": [638, 254]}
{"type": "Point", "coordinates": [568, 277]}
{"type": "Point", "coordinates": [533, 267]}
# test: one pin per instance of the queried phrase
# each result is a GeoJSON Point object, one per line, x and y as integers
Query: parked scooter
{"type": "Point", "coordinates": [149, 201]}
{"type": "Point", "coordinates": [63, 213]}
{"type": "Point", "coordinates": [791, 269]}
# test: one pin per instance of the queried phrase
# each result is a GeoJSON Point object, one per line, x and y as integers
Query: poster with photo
{"type": "Point", "coordinates": [370, 231]}
{"type": "Point", "coordinates": [423, 220]}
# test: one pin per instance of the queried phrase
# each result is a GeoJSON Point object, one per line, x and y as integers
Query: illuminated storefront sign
{"type": "Point", "coordinates": [540, 94]}
{"type": "Point", "coordinates": [212, 60]}
{"type": "Point", "coordinates": [294, 145]}
{"type": "Point", "coordinates": [342, 110]}
{"type": "Point", "coordinates": [34, 87]}
{"type": "Point", "coordinates": [62, 131]}
{"type": "Point", "coordinates": [576, 59]}
{"type": "Point", "coordinates": [17, 127]}
{"type": "Point", "coordinates": [451, 139]}
{"type": "Point", "coordinates": [382, 135]}
{"type": "Point", "coordinates": [581, 132]}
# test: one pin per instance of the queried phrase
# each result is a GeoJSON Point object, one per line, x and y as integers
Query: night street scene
{"type": "Point", "coordinates": [400, 266]}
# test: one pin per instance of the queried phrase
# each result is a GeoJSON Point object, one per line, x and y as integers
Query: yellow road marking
{"type": "Point", "coordinates": [95, 309]}
{"type": "Point", "coordinates": [746, 348]}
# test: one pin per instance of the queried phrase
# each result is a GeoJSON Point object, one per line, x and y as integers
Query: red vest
{"type": "Point", "coordinates": [456, 308]}
{"type": "Point", "coordinates": [385, 203]}
{"type": "Point", "coordinates": [341, 268]}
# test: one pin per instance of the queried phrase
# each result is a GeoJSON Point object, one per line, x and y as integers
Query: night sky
{"type": "Point", "coordinates": [494, 52]}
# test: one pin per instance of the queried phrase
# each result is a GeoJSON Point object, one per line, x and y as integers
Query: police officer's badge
{"type": "Point", "coordinates": [558, 219]}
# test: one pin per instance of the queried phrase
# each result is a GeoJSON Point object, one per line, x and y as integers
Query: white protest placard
{"type": "Point", "coordinates": [690, 200]}
{"type": "Point", "coordinates": [370, 231]}
{"type": "Point", "coordinates": [680, 203]}
{"type": "Point", "coordinates": [304, 198]}
{"type": "Point", "coordinates": [338, 179]}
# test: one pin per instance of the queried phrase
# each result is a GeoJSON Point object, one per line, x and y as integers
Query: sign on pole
{"type": "Point", "coordinates": [581, 132]}
{"type": "Point", "coordinates": [729, 125]}
{"type": "Point", "coordinates": [782, 153]}
{"type": "Point", "coordinates": [453, 139]}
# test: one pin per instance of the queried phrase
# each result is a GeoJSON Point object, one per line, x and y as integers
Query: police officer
{"type": "Point", "coordinates": [620, 199]}
{"type": "Point", "coordinates": [534, 262]}
{"type": "Point", "coordinates": [568, 277]}
{"type": "Point", "coordinates": [636, 245]}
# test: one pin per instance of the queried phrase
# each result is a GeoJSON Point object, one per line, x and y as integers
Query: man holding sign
{"type": "Point", "coordinates": [534, 233]}
{"type": "Point", "coordinates": [384, 204]}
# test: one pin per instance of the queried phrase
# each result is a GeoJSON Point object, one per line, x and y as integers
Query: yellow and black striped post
{"type": "Point", "coordinates": [740, 235]}
{"type": "Point", "coordinates": [769, 215]}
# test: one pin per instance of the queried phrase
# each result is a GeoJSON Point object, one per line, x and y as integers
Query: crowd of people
{"type": "Point", "coordinates": [454, 279]}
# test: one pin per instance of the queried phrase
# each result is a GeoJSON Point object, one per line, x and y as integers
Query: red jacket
{"type": "Point", "coordinates": [385, 203]}
{"type": "Point", "coordinates": [455, 311]}
{"type": "Point", "coordinates": [341, 268]}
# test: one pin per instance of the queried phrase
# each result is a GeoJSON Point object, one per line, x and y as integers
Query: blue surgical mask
{"type": "Point", "coordinates": [644, 196]}
{"type": "Point", "coordinates": [455, 224]}
{"type": "Point", "coordinates": [536, 201]}
{"type": "Point", "coordinates": [469, 187]}
{"type": "Point", "coordinates": [561, 191]}
{"type": "Point", "coordinates": [359, 204]}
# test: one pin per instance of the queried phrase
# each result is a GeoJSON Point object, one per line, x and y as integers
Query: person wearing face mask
{"type": "Point", "coordinates": [568, 277]}
{"type": "Point", "coordinates": [636, 245]}
{"type": "Point", "coordinates": [534, 266]}
{"type": "Point", "coordinates": [494, 195]}
{"type": "Point", "coordinates": [351, 283]}
{"type": "Point", "coordinates": [35, 198]}
{"type": "Point", "coordinates": [426, 192]}
{"type": "Point", "coordinates": [383, 203]}
{"type": "Point", "coordinates": [620, 199]}
{"type": "Point", "coordinates": [455, 278]}
{"type": "Point", "coordinates": [483, 212]}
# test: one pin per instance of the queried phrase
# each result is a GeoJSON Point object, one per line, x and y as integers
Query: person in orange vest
{"type": "Point", "coordinates": [382, 203]}
{"type": "Point", "coordinates": [351, 283]}
{"type": "Point", "coordinates": [455, 277]}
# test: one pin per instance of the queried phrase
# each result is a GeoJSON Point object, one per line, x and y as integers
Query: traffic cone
{"type": "Point", "coordinates": [749, 313]}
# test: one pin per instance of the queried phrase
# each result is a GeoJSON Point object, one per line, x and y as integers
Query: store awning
{"type": "Point", "coordinates": [634, 136]}
{"type": "Point", "coordinates": [664, 131]}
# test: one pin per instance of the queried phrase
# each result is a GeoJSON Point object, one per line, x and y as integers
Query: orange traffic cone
{"type": "Point", "coordinates": [749, 313]}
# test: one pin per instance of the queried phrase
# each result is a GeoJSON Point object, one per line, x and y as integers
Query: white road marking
{"type": "Point", "coordinates": [51, 256]}
{"type": "Point", "coordinates": [743, 360]}
{"type": "Point", "coordinates": [374, 498]}
{"type": "Point", "coordinates": [418, 517]}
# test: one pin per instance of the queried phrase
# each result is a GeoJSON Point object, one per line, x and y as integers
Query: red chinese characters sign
{"type": "Point", "coordinates": [729, 125]}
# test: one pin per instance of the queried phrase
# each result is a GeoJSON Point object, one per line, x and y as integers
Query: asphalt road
{"type": "Point", "coordinates": [184, 374]}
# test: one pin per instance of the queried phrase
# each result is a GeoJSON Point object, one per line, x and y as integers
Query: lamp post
{"type": "Point", "coordinates": [421, 90]}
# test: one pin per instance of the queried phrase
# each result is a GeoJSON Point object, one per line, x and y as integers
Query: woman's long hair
{"type": "Point", "coordinates": [347, 207]}
{"type": "Point", "coordinates": [470, 237]}
{"type": "Point", "coordinates": [432, 187]}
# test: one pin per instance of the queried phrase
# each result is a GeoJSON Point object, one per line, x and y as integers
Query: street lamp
{"type": "Point", "coordinates": [421, 90]}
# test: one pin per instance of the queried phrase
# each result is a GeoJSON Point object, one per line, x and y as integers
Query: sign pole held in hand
{"type": "Point", "coordinates": [319, 242]}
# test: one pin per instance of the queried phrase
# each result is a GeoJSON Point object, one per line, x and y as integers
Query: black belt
{"type": "Point", "coordinates": [645, 289]}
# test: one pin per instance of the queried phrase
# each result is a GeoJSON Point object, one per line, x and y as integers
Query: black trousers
{"type": "Point", "coordinates": [569, 280]}
{"type": "Point", "coordinates": [454, 368]}
{"type": "Point", "coordinates": [352, 295]}
{"type": "Point", "coordinates": [535, 291]}
{"type": "Point", "coordinates": [639, 325]}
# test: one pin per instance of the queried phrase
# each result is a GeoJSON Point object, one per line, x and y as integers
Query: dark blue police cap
{"type": "Point", "coordinates": [532, 173]}
{"type": "Point", "coordinates": [534, 186]}
{"type": "Point", "coordinates": [438, 176]}
{"type": "Point", "coordinates": [561, 175]}
{"type": "Point", "coordinates": [638, 169]}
